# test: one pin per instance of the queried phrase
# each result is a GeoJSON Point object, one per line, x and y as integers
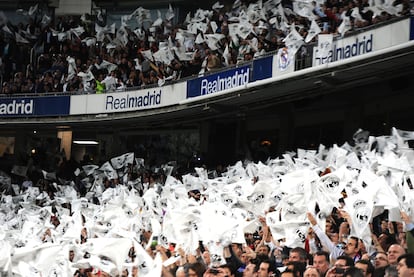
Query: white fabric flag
{"type": "Point", "coordinates": [71, 68]}
{"type": "Point", "coordinates": [355, 14]}
{"type": "Point", "coordinates": [86, 76]}
{"type": "Point", "coordinates": [216, 254]}
{"type": "Point", "coordinates": [116, 249]}
{"type": "Point", "coordinates": [164, 55]}
{"type": "Point", "coordinates": [218, 224]}
{"type": "Point", "coordinates": [5, 254]}
{"type": "Point", "coordinates": [89, 169]}
{"type": "Point", "coordinates": [109, 171]}
{"type": "Point", "coordinates": [360, 207]}
{"type": "Point", "coordinates": [213, 26]}
{"type": "Point", "coordinates": [213, 40]}
{"type": "Point", "coordinates": [284, 61]}
{"type": "Point", "coordinates": [325, 46]}
{"type": "Point", "coordinates": [293, 207]}
{"type": "Point", "coordinates": [226, 55]}
{"type": "Point", "coordinates": [32, 10]}
{"type": "Point", "coordinates": [169, 15]}
{"type": "Point", "coordinates": [405, 135]}
{"type": "Point", "coordinates": [20, 38]}
{"type": "Point", "coordinates": [296, 234]}
{"type": "Point", "coordinates": [304, 9]}
{"type": "Point", "coordinates": [273, 220]}
{"type": "Point", "coordinates": [328, 191]}
{"type": "Point", "coordinates": [36, 259]}
{"type": "Point", "coordinates": [158, 21]}
{"type": "Point", "coordinates": [260, 197]}
{"type": "Point", "coordinates": [359, 202]}
{"type": "Point", "coordinates": [313, 31]}
{"type": "Point", "coordinates": [123, 160]}
{"type": "Point", "coordinates": [147, 54]}
{"type": "Point", "coordinates": [406, 198]}
{"type": "Point", "coordinates": [345, 26]}
{"type": "Point", "coordinates": [391, 160]}
{"type": "Point", "coordinates": [19, 170]}
{"type": "Point", "coordinates": [293, 41]}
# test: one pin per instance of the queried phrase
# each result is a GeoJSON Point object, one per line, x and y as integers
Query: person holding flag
{"type": "Point", "coordinates": [351, 248]}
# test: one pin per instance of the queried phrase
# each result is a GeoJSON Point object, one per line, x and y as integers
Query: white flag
{"type": "Point", "coordinates": [123, 160]}
{"type": "Point", "coordinates": [313, 31]}
{"type": "Point", "coordinates": [304, 9]}
{"type": "Point", "coordinates": [325, 45]}
{"type": "Point", "coordinates": [169, 15]}
{"type": "Point", "coordinates": [293, 41]}
{"type": "Point", "coordinates": [284, 62]}
{"type": "Point", "coordinates": [109, 171]}
{"type": "Point", "coordinates": [345, 25]}
{"type": "Point", "coordinates": [20, 39]}
{"type": "Point", "coordinates": [19, 170]}
{"type": "Point", "coordinates": [360, 207]}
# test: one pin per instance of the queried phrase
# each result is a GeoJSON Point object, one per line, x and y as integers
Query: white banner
{"type": "Point", "coordinates": [325, 46]}
{"type": "Point", "coordinates": [129, 100]}
{"type": "Point", "coordinates": [365, 42]}
{"type": "Point", "coordinates": [283, 62]}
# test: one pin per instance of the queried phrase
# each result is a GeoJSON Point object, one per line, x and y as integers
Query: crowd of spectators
{"type": "Point", "coordinates": [123, 199]}
{"type": "Point", "coordinates": [82, 54]}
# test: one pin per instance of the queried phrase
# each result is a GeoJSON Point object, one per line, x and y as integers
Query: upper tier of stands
{"type": "Point", "coordinates": [86, 55]}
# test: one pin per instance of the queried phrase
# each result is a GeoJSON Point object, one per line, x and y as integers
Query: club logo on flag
{"type": "Point", "coordinates": [238, 190]}
{"type": "Point", "coordinates": [227, 200]}
{"type": "Point", "coordinates": [362, 213]}
{"type": "Point", "coordinates": [216, 259]}
{"type": "Point", "coordinates": [164, 240]}
{"type": "Point", "coordinates": [322, 215]}
{"type": "Point", "coordinates": [291, 211]}
{"type": "Point", "coordinates": [228, 238]}
{"type": "Point", "coordinates": [276, 197]}
{"type": "Point", "coordinates": [331, 183]}
{"type": "Point", "coordinates": [54, 272]}
{"type": "Point", "coordinates": [257, 198]}
{"type": "Point", "coordinates": [284, 59]}
{"type": "Point", "coordinates": [300, 235]}
{"type": "Point", "coordinates": [271, 220]}
{"type": "Point", "coordinates": [143, 267]}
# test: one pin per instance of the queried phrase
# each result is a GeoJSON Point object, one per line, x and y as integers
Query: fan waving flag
{"type": "Point", "coordinates": [123, 160]}
{"type": "Point", "coordinates": [345, 25]}
{"type": "Point", "coordinates": [293, 41]}
{"type": "Point", "coordinates": [314, 30]}
{"type": "Point", "coordinates": [359, 202]}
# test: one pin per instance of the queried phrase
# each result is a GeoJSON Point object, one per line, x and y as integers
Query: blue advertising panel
{"type": "Point", "coordinates": [262, 68]}
{"type": "Point", "coordinates": [412, 28]}
{"type": "Point", "coordinates": [219, 81]}
{"type": "Point", "coordinates": [34, 106]}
